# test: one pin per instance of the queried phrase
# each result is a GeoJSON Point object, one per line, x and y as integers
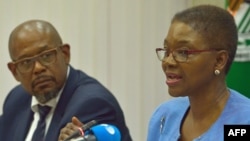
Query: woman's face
{"type": "Point", "coordinates": [196, 73]}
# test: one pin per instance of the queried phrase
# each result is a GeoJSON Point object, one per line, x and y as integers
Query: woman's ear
{"type": "Point", "coordinates": [221, 60]}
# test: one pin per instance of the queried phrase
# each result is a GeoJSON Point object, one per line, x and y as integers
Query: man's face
{"type": "Point", "coordinates": [47, 71]}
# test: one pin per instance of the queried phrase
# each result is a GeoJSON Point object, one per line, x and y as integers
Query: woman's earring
{"type": "Point", "coordinates": [217, 72]}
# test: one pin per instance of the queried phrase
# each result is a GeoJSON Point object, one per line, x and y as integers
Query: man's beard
{"type": "Point", "coordinates": [41, 94]}
{"type": "Point", "coordinates": [45, 97]}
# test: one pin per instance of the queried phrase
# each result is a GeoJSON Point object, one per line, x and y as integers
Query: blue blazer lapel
{"type": "Point", "coordinates": [54, 128]}
{"type": "Point", "coordinates": [23, 124]}
{"type": "Point", "coordinates": [57, 123]}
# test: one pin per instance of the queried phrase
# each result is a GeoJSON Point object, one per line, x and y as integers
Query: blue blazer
{"type": "Point", "coordinates": [83, 97]}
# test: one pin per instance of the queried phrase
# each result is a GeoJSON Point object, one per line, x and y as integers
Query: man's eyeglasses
{"type": "Point", "coordinates": [45, 58]}
{"type": "Point", "coordinates": [179, 55]}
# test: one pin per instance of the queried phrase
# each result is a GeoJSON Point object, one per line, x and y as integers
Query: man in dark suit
{"type": "Point", "coordinates": [40, 62]}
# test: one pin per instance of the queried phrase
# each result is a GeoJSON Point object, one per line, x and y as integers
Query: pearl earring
{"type": "Point", "coordinates": [217, 72]}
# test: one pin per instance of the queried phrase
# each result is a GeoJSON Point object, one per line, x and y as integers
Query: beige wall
{"type": "Point", "coordinates": [220, 3]}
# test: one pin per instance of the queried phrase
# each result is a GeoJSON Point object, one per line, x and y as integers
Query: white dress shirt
{"type": "Point", "coordinates": [34, 106]}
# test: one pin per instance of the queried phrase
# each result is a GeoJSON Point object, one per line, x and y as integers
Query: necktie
{"type": "Point", "coordinates": [40, 129]}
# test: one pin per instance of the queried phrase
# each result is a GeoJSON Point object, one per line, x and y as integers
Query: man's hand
{"type": "Point", "coordinates": [70, 128]}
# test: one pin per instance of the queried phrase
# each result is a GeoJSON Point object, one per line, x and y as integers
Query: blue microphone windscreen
{"type": "Point", "coordinates": [106, 132]}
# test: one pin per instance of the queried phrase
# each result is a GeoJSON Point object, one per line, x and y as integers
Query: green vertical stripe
{"type": "Point", "coordinates": [226, 4]}
{"type": "Point", "coordinates": [246, 26]}
{"type": "Point", "coordinates": [244, 18]}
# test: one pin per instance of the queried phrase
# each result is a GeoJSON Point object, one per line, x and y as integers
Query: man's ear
{"type": "Point", "coordinates": [12, 69]}
{"type": "Point", "coordinates": [221, 60]}
{"type": "Point", "coordinates": [66, 52]}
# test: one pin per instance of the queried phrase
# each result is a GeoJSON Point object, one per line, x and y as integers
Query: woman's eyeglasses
{"type": "Point", "coordinates": [179, 55]}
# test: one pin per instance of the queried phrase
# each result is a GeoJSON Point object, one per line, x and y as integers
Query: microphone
{"type": "Point", "coordinates": [102, 132]}
{"type": "Point", "coordinates": [81, 130]}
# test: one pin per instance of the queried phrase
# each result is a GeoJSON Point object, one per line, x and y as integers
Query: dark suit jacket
{"type": "Point", "coordinates": [83, 97]}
